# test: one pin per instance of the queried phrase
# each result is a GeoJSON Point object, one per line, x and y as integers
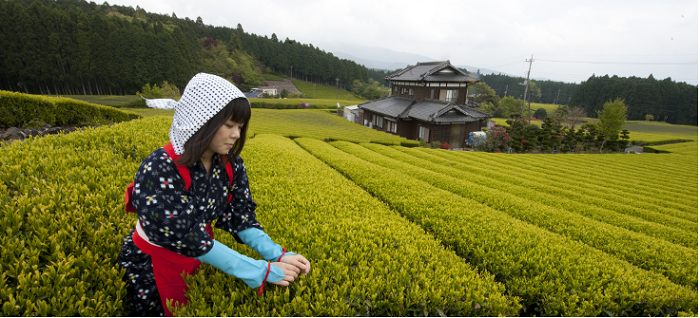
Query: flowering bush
{"type": "Point", "coordinates": [445, 145]}
{"type": "Point", "coordinates": [497, 139]}
{"type": "Point", "coordinates": [305, 105]}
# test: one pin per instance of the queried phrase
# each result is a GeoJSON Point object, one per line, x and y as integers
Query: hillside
{"type": "Point", "coordinates": [115, 50]}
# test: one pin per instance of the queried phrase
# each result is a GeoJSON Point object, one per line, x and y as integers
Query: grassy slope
{"type": "Point", "coordinates": [326, 92]}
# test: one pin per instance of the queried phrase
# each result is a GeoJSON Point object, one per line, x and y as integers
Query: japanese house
{"type": "Point", "coordinates": [429, 102]}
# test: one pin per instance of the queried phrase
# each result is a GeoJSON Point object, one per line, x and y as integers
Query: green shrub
{"type": "Point", "coordinates": [541, 113]}
{"type": "Point", "coordinates": [25, 110]}
{"type": "Point", "coordinates": [411, 143]}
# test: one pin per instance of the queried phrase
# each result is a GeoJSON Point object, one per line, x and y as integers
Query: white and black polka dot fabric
{"type": "Point", "coordinates": [204, 96]}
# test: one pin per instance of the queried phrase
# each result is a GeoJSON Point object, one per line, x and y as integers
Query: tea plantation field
{"type": "Point", "coordinates": [390, 230]}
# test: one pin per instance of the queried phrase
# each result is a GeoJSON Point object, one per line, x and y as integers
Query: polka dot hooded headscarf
{"type": "Point", "coordinates": [204, 96]}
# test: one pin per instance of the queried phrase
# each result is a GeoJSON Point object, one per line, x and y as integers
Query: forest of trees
{"type": "Point", "coordinates": [547, 92]}
{"type": "Point", "coordinates": [665, 100]}
{"type": "Point", "coordinates": [77, 47]}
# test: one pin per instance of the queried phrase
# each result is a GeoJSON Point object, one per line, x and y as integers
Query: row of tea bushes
{"type": "Point", "coordinates": [552, 193]}
{"type": "Point", "coordinates": [627, 172]}
{"type": "Point", "coordinates": [62, 213]}
{"type": "Point", "coordinates": [34, 111]}
{"type": "Point", "coordinates": [552, 274]}
{"type": "Point", "coordinates": [575, 180]}
{"type": "Point", "coordinates": [63, 217]}
{"type": "Point", "coordinates": [366, 259]}
{"type": "Point", "coordinates": [675, 262]}
{"type": "Point", "coordinates": [632, 173]}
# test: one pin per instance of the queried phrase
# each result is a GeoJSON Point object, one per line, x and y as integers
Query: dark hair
{"type": "Point", "coordinates": [238, 110]}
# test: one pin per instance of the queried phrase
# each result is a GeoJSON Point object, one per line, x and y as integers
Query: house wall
{"type": "Point", "coordinates": [409, 129]}
{"type": "Point", "coordinates": [420, 92]}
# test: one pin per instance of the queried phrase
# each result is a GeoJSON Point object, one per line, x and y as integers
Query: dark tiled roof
{"type": "Point", "coordinates": [428, 110]}
{"type": "Point", "coordinates": [450, 78]}
{"type": "Point", "coordinates": [390, 106]}
{"type": "Point", "coordinates": [429, 72]}
{"type": "Point", "coordinates": [474, 112]}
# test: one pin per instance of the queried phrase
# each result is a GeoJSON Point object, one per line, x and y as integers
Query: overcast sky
{"type": "Point", "coordinates": [570, 40]}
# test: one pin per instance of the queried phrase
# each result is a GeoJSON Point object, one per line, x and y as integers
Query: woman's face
{"type": "Point", "coordinates": [224, 139]}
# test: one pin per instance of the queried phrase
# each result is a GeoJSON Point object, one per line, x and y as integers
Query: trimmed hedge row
{"type": "Point", "coordinates": [62, 216]}
{"type": "Point", "coordinates": [33, 111]}
{"type": "Point", "coordinates": [552, 274]}
{"type": "Point", "coordinates": [677, 263]}
{"type": "Point", "coordinates": [631, 174]}
{"type": "Point", "coordinates": [366, 259]}
{"type": "Point", "coordinates": [556, 193]}
{"type": "Point", "coordinates": [599, 174]}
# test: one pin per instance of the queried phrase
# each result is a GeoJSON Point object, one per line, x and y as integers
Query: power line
{"type": "Point", "coordinates": [624, 63]}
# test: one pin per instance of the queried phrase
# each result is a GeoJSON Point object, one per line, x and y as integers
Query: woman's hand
{"type": "Point", "coordinates": [299, 261]}
{"type": "Point", "coordinates": [290, 273]}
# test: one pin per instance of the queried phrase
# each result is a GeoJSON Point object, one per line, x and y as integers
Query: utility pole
{"type": "Point", "coordinates": [557, 99]}
{"type": "Point", "coordinates": [529, 117]}
{"type": "Point", "coordinates": [290, 72]}
{"type": "Point", "coordinates": [506, 92]}
{"type": "Point", "coordinates": [527, 84]}
{"type": "Point", "coordinates": [336, 88]}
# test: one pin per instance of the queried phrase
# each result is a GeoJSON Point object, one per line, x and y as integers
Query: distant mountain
{"type": "Point", "coordinates": [377, 57]}
{"type": "Point", "coordinates": [387, 59]}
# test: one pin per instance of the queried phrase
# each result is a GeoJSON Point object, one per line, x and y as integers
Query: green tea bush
{"type": "Point", "coordinates": [366, 259]}
{"type": "Point", "coordinates": [19, 110]}
{"type": "Point", "coordinates": [552, 274]}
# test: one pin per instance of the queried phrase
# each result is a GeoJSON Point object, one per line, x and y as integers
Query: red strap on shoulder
{"type": "Point", "coordinates": [184, 172]}
{"type": "Point", "coordinates": [229, 171]}
{"type": "Point", "coordinates": [127, 198]}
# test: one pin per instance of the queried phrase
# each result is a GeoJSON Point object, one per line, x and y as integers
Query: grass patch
{"type": "Point", "coordinates": [151, 112]}
{"type": "Point", "coordinates": [327, 92]}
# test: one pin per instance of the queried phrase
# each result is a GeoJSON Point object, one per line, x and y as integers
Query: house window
{"type": "Point", "coordinates": [396, 89]}
{"type": "Point", "coordinates": [410, 91]}
{"type": "Point", "coordinates": [404, 90]}
{"type": "Point", "coordinates": [391, 126]}
{"type": "Point", "coordinates": [423, 133]}
{"type": "Point", "coordinates": [379, 121]}
{"type": "Point", "coordinates": [449, 95]}
{"type": "Point", "coordinates": [432, 94]}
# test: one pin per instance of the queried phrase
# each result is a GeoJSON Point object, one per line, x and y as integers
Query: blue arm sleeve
{"type": "Point", "coordinates": [251, 271]}
{"type": "Point", "coordinates": [262, 243]}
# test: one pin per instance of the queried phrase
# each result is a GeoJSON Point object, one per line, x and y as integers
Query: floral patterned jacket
{"type": "Point", "coordinates": [175, 218]}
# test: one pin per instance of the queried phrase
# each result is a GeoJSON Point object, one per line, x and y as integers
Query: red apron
{"type": "Point", "coordinates": [168, 266]}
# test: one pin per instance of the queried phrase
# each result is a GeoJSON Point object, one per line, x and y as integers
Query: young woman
{"type": "Point", "coordinates": [181, 188]}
